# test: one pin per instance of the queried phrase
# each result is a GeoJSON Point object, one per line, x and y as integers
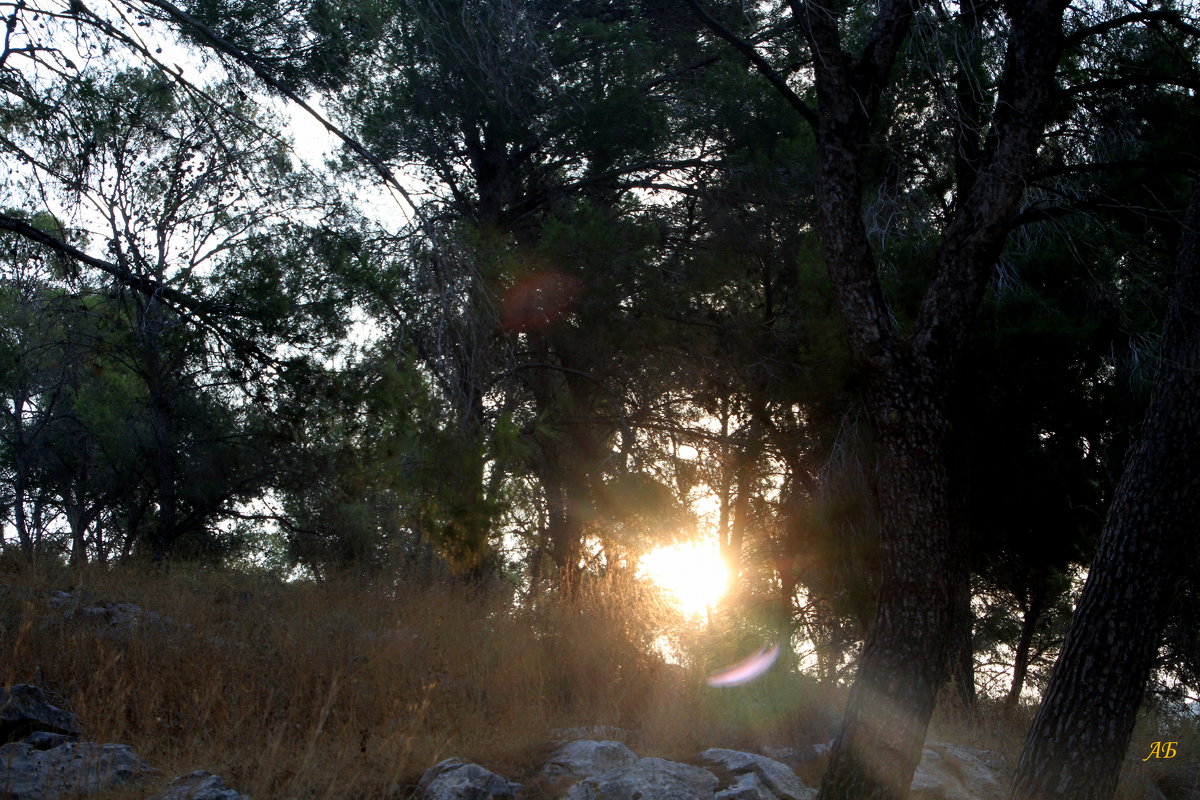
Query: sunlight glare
{"type": "Point", "coordinates": [693, 573]}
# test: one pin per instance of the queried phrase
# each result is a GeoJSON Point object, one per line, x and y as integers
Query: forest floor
{"type": "Point", "coordinates": [345, 689]}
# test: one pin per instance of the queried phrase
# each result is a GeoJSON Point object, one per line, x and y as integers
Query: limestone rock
{"type": "Point", "coordinates": [778, 778]}
{"type": "Point", "coordinates": [455, 779]}
{"type": "Point", "coordinates": [68, 770]}
{"type": "Point", "coordinates": [646, 779]}
{"type": "Point", "coordinates": [746, 787]}
{"type": "Point", "coordinates": [950, 772]}
{"type": "Point", "coordinates": [25, 709]}
{"type": "Point", "coordinates": [43, 740]}
{"type": "Point", "coordinates": [585, 758]}
{"type": "Point", "coordinates": [199, 785]}
{"type": "Point", "coordinates": [120, 619]}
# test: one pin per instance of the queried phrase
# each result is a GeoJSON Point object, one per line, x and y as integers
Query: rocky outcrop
{"type": "Point", "coordinates": [121, 618]}
{"type": "Point", "coordinates": [950, 772]}
{"type": "Point", "coordinates": [646, 778]}
{"type": "Point", "coordinates": [69, 770]}
{"type": "Point", "coordinates": [750, 787]}
{"type": "Point", "coordinates": [25, 710]}
{"type": "Point", "coordinates": [41, 759]}
{"type": "Point", "coordinates": [198, 785]}
{"type": "Point", "coordinates": [581, 759]}
{"type": "Point", "coordinates": [455, 779]}
{"type": "Point", "coordinates": [775, 777]}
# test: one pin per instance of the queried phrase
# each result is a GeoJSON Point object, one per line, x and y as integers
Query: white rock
{"type": "Point", "coordinates": [199, 785]}
{"type": "Point", "coordinates": [25, 709]}
{"type": "Point", "coordinates": [455, 779]}
{"type": "Point", "coordinates": [70, 769]}
{"type": "Point", "coordinates": [746, 787]}
{"type": "Point", "coordinates": [950, 772]}
{"type": "Point", "coordinates": [585, 758]}
{"type": "Point", "coordinates": [648, 779]}
{"type": "Point", "coordinates": [777, 777]}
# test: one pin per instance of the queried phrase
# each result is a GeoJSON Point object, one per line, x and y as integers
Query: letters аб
{"type": "Point", "coordinates": [1161, 750]}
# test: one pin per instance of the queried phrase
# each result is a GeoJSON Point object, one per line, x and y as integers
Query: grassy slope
{"type": "Point", "coordinates": [346, 691]}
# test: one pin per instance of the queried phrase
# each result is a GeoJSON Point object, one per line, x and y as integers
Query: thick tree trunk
{"type": "Point", "coordinates": [905, 658]}
{"type": "Point", "coordinates": [924, 577]}
{"type": "Point", "coordinates": [1078, 740]}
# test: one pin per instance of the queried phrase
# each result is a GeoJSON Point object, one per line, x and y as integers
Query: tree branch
{"type": "Point", "coordinates": [1170, 17]}
{"type": "Point", "coordinates": [758, 61]}
{"type": "Point", "coordinates": [144, 285]}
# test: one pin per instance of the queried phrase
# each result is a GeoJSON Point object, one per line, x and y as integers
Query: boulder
{"type": "Point", "coordinates": [585, 758]}
{"type": "Point", "coordinates": [646, 779]}
{"type": "Point", "coordinates": [25, 709]}
{"type": "Point", "coordinates": [778, 778]}
{"type": "Point", "coordinates": [455, 779]}
{"type": "Point", "coordinates": [950, 772]}
{"type": "Point", "coordinates": [750, 787]}
{"type": "Point", "coordinates": [198, 785]}
{"type": "Point", "coordinates": [115, 618]}
{"type": "Point", "coordinates": [42, 740]}
{"type": "Point", "coordinates": [71, 769]}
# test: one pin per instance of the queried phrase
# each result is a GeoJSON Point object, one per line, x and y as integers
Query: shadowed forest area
{"type": "Point", "coordinates": [378, 343]}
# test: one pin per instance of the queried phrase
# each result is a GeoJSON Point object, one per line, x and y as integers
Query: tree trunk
{"type": "Point", "coordinates": [19, 519]}
{"type": "Point", "coordinates": [909, 369]}
{"type": "Point", "coordinates": [962, 652]}
{"type": "Point", "coordinates": [905, 658]}
{"type": "Point", "coordinates": [165, 529]}
{"type": "Point", "coordinates": [1030, 619]}
{"type": "Point", "coordinates": [77, 521]}
{"type": "Point", "coordinates": [20, 474]}
{"type": "Point", "coordinates": [1078, 740]}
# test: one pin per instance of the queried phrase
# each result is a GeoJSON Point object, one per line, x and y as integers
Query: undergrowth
{"type": "Point", "coordinates": [347, 689]}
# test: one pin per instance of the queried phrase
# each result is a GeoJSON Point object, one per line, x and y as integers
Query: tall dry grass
{"type": "Point", "coordinates": [348, 690]}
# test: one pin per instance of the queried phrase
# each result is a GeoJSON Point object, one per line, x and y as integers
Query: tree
{"type": "Point", "coordinates": [203, 281]}
{"type": "Point", "coordinates": [909, 353]}
{"type": "Point", "coordinates": [1079, 737]}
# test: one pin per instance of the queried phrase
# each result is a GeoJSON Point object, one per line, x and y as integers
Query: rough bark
{"type": "Point", "coordinates": [904, 661]}
{"type": "Point", "coordinates": [924, 575]}
{"type": "Point", "coordinates": [1076, 745]}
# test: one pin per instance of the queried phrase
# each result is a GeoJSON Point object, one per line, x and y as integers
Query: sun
{"type": "Point", "coordinates": [692, 573]}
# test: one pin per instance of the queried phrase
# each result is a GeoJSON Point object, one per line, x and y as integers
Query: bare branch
{"type": "Point", "coordinates": [758, 61]}
{"type": "Point", "coordinates": [1170, 17]}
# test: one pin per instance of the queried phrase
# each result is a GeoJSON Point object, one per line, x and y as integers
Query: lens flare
{"type": "Point", "coordinates": [747, 669]}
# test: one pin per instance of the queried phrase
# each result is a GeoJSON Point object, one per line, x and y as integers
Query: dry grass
{"type": "Point", "coordinates": [343, 690]}
{"type": "Point", "coordinates": [346, 690]}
